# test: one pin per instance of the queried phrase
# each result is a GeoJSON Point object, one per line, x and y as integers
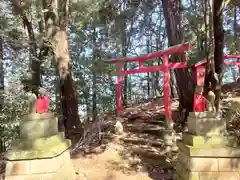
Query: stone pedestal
{"type": "Point", "coordinates": [41, 153]}
{"type": "Point", "coordinates": [204, 153]}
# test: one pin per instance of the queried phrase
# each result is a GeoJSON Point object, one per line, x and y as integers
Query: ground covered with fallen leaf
{"type": "Point", "coordinates": [138, 153]}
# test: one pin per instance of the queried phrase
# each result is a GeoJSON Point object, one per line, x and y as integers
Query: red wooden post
{"type": "Point", "coordinates": [167, 100]}
{"type": "Point", "coordinates": [119, 94]}
{"type": "Point", "coordinates": [119, 67]}
{"type": "Point", "coordinates": [140, 64]}
{"type": "Point", "coordinates": [238, 60]}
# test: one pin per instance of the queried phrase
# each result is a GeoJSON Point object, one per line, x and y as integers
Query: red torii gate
{"type": "Point", "coordinates": [181, 48]}
{"type": "Point", "coordinates": [198, 70]}
{"type": "Point", "coordinates": [232, 63]}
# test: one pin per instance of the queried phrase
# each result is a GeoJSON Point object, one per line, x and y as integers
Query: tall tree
{"type": "Point", "coordinates": [94, 77]}
{"type": "Point", "coordinates": [2, 147]}
{"type": "Point", "coordinates": [172, 14]}
{"type": "Point", "coordinates": [23, 9]}
{"type": "Point", "coordinates": [1, 74]}
{"type": "Point", "coordinates": [215, 74]}
{"type": "Point", "coordinates": [235, 31]}
{"type": "Point", "coordinates": [56, 16]}
{"type": "Point", "coordinates": [123, 37]}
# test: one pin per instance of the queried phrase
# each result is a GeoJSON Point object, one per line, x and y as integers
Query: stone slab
{"type": "Point", "coordinates": [206, 126]}
{"type": "Point", "coordinates": [40, 128]}
{"type": "Point", "coordinates": [39, 143]}
{"type": "Point", "coordinates": [198, 164]}
{"type": "Point", "coordinates": [17, 168]}
{"type": "Point", "coordinates": [205, 114]}
{"type": "Point", "coordinates": [184, 174]}
{"type": "Point", "coordinates": [194, 140]}
{"type": "Point", "coordinates": [58, 168]}
{"type": "Point", "coordinates": [208, 151]}
{"type": "Point", "coordinates": [41, 148]}
{"type": "Point", "coordinates": [229, 164]}
{"type": "Point", "coordinates": [37, 116]}
{"type": "Point", "coordinates": [219, 176]}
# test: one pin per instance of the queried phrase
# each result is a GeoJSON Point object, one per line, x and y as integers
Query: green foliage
{"type": "Point", "coordinates": [10, 117]}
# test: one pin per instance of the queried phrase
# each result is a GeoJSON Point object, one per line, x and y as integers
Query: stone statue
{"type": "Point", "coordinates": [118, 128]}
{"type": "Point", "coordinates": [210, 100]}
{"type": "Point", "coordinates": [42, 91]}
{"type": "Point", "coordinates": [32, 98]}
{"type": "Point", "coordinates": [33, 93]}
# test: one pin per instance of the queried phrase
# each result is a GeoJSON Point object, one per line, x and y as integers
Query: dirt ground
{"type": "Point", "coordinates": [114, 163]}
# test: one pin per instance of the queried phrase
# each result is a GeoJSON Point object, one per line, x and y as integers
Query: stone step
{"type": "Point", "coordinates": [140, 125]}
{"type": "Point", "coordinates": [148, 152]}
{"type": "Point", "coordinates": [153, 122]}
{"type": "Point", "coordinates": [153, 130]}
{"type": "Point", "coordinates": [143, 141]}
{"type": "Point", "coordinates": [152, 162]}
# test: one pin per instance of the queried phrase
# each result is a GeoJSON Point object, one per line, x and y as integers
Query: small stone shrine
{"type": "Point", "coordinates": [205, 153]}
{"type": "Point", "coordinates": [41, 152]}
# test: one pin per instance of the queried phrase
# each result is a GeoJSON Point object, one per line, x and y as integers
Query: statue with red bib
{"type": "Point", "coordinates": [38, 98]}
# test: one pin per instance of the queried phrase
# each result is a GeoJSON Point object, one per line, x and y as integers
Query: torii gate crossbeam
{"type": "Point", "coordinates": [178, 49]}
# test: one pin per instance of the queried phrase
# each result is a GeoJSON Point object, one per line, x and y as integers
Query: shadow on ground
{"type": "Point", "coordinates": [139, 153]}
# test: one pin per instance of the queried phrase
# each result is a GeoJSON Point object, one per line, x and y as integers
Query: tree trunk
{"type": "Point", "coordinates": [1, 75]}
{"type": "Point", "coordinates": [213, 78]}
{"type": "Point", "coordinates": [35, 61]}
{"type": "Point", "coordinates": [218, 6]}
{"type": "Point", "coordinates": [235, 25]}
{"type": "Point", "coordinates": [67, 91]}
{"type": "Point", "coordinates": [172, 84]}
{"type": "Point", "coordinates": [94, 80]}
{"type": "Point", "coordinates": [171, 9]}
{"type": "Point", "coordinates": [2, 144]}
{"type": "Point", "coordinates": [124, 54]}
{"type": "Point", "coordinates": [148, 74]}
{"type": "Point", "coordinates": [125, 85]}
{"type": "Point", "coordinates": [56, 18]}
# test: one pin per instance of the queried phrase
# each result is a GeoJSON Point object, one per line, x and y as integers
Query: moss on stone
{"type": "Point", "coordinates": [39, 148]}
{"type": "Point", "coordinates": [209, 150]}
{"type": "Point", "coordinates": [212, 141]}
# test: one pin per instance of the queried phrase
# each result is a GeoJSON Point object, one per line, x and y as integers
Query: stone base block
{"type": "Point", "coordinates": [205, 114]}
{"type": "Point", "coordinates": [208, 163]}
{"type": "Point", "coordinates": [209, 151]}
{"type": "Point", "coordinates": [206, 125]}
{"type": "Point", "coordinates": [198, 164]}
{"type": "Point", "coordinates": [216, 140]}
{"type": "Point", "coordinates": [33, 129]}
{"type": "Point", "coordinates": [183, 174]}
{"type": "Point", "coordinates": [38, 148]}
{"type": "Point", "coordinates": [57, 168]}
